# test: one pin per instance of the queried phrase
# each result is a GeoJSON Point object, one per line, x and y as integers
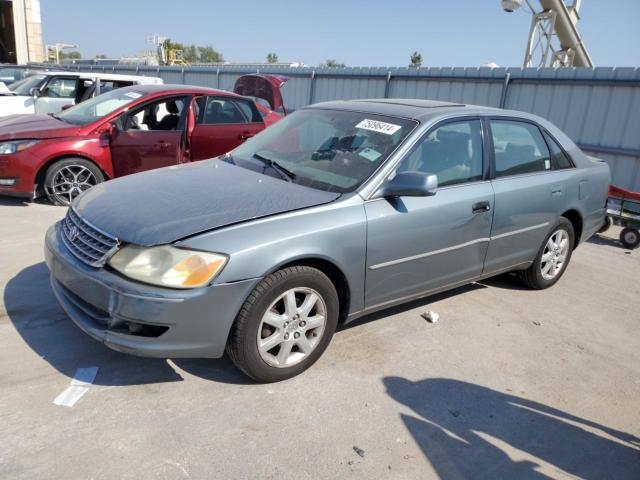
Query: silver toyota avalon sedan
{"type": "Point", "coordinates": [339, 210]}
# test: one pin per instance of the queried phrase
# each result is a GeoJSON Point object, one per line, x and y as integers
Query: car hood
{"type": "Point", "coordinates": [168, 204]}
{"type": "Point", "coordinates": [30, 125]}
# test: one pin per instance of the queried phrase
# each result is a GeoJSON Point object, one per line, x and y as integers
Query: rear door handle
{"type": "Point", "coordinates": [245, 135]}
{"type": "Point", "coordinates": [480, 207]}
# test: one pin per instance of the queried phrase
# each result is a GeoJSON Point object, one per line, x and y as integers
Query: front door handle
{"type": "Point", "coordinates": [480, 207]}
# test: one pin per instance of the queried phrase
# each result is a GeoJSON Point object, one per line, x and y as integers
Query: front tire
{"type": "Point", "coordinates": [67, 178]}
{"type": "Point", "coordinates": [285, 324]}
{"type": "Point", "coordinates": [552, 258]}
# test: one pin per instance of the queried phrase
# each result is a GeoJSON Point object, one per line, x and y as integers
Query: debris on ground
{"type": "Point", "coordinates": [431, 316]}
{"type": "Point", "coordinates": [359, 451]}
{"type": "Point", "coordinates": [455, 413]}
{"type": "Point", "coordinates": [536, 323]}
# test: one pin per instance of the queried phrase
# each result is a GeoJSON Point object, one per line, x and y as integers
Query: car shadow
{"type": "Point", "coordinates": [22, 202]}
{"type": "Point", "coordinates": [604, 240]}
{"type": "Point", "coordinates": [405, 307]}
{"type": "Point", "coordinates": [45, 327]}
{"type": "Point", "coordinates": [506, 281]}
{"type": "Point", "coordinates": [50, 333]}
{"type": "Point", "coordinates": [464, 431]}
{"type": "Point", "coordinates": [13, 202]}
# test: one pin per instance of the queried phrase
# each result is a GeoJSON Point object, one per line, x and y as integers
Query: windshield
{"type": "Point", "coordinates": [98, 107]}
{"type": "Point", "coordinates": [24, 86]}
{"type": "Point", "coordinates": [331, 150]}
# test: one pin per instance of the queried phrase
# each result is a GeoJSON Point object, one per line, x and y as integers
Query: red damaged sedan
{"type": "Point", "coordinates": [130, 130]}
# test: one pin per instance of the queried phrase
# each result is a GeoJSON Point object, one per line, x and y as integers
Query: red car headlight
{"type": "Point", "coordinates": [15, 146]}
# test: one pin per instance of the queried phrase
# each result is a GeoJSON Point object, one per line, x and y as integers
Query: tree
{"type": "Point", "coordinates": [171, 45]}
{"type": "Point", "coordinates": [191, 54]}
{"type": "Point", "coordinates": [70, 55]}
{"type": "Point", "coordinates": [272, 57]}
{"type": "Point", "coordinates": [332, 63]}
{"type": "Point", "coordinates": [416, 59]}
{"type": "Point", "coordinates": [209, 54]}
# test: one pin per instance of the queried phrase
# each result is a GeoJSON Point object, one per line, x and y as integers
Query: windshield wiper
{"type": "Point", "coordinates": [277, 167]}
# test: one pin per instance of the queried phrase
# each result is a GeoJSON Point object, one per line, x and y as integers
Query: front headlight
{"type": "Point", "coordinates": [168, 266]}
{"type": "Point", "coordinates": [7, 148]}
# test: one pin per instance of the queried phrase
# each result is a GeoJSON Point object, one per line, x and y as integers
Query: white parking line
{"type": "Point", "coordinates": [78, 387]}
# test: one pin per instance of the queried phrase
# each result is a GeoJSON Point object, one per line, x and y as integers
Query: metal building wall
{"type": "Point", "coordinates": [598, 108]}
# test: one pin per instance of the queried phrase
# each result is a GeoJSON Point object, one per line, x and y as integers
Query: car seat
{"type": "Point", "coordinates": [170, 121]}
{"type": "Point", "coordinates": [514, 159]}
{"type": "Point", "coordinates": [214, 114]}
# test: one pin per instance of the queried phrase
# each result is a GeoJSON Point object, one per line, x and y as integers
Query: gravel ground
{"type": "Point", "coordinates": [510, 383]}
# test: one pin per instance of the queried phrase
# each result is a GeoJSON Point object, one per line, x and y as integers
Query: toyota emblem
{"type": "Point", "coordinates": [73, 234]}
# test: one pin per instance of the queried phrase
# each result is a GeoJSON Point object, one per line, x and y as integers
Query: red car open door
{"type": "Point", "coordinates": [151, 136]}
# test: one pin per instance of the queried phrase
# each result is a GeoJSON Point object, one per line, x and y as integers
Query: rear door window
{"type": "Point", "coordinates": [519, 148]}
{"type": "Point", "coordinates": [221, 111]}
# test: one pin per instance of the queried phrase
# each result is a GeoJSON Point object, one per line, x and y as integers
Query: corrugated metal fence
{"type": "Point", "coordinates": [598, 108]}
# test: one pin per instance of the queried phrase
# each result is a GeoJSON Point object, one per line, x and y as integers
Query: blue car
{"type": "Point", "coordinates": [338, 210]}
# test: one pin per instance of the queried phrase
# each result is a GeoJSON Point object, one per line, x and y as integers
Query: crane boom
{"type": "Point", "coordinates": [571, 42]}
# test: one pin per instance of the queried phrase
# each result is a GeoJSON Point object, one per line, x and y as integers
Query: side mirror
{"type": "Point", "coordinates": [107, 133]}
{"type": "Point", "coordinates": [410, 184]}
{"type": "Point", "coordinates": [34, 92]}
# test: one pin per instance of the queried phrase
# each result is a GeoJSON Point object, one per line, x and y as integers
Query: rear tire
{"type": "Point", "coordinates": [69, 177]}
{"type": "Point", "coordinates": [630, 237]}
{"type": "Point", "coordinates": [285, 324]}
{"type": "Point", "coordinates": [552, 258]}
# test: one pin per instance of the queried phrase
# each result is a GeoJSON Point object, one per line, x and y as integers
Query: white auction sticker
{"type": "Point", "coordinates": [134, 95]}
{"type": "Point", "coordinates": [377, 126]}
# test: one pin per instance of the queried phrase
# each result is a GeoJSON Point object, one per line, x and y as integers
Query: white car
{"type": "Point", "coordinates": [50, 92]}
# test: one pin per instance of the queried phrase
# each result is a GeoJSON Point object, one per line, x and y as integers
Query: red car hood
{"type": "Point", "coordinates": [34, 126]}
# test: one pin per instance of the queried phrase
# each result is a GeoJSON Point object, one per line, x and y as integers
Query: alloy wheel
{"type": "Point", "coordinates": [555, 254]}
{"type": "Point", "coordinates": [292, 326]}
{"type": "Point", "coordinates": [70, 181]}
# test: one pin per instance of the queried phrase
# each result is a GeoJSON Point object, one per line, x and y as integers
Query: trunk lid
{"type": "Point", "coordinates": [266, 87]}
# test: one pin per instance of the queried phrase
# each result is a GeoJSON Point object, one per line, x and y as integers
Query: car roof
{"type": "Point", "coordinates": [425, 111]}
{"type": "Point", "coordinates": [173, 88]}
{"type": "Point", "coordinates": [411, 108]}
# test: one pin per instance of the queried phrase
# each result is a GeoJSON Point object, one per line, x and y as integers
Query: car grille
{"type": "Point", "coordinates": [86, 242]}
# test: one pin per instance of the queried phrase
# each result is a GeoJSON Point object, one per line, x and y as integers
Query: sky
{"type": "Point", "coordinates": [452, 33]}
